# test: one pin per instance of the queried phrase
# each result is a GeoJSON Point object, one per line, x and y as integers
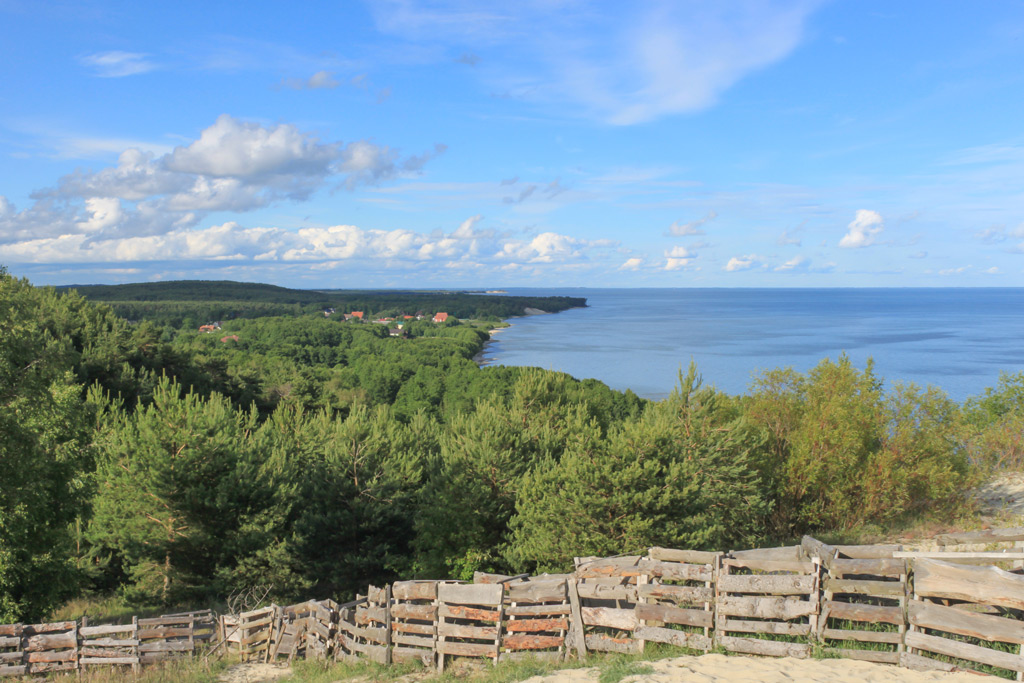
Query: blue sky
{"type": "Point", "coordinates": [547, 143]}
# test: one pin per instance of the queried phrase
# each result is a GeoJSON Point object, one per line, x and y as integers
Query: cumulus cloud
{"type": "Point", "coordinates": [862, 230]}
{"type": "Point", "coordinates": [693, 227]}
{"type": "Point", "coordinates": [633, 263]}
{"type": "Point", "coordinates": [115, 64]}
{"type": "Point", "coordinates": [787, 238]}
{"type": "Point", "coordinates": [741, 263]}
{"type": "Point", "coordinates": [234, 165]}
{"type": "Point", "coordinates": [795, 263]}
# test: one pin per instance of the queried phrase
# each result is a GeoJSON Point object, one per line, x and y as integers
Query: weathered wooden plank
{"type": "Point", "coordinates": [11, 629]}
{"type": "Point", "coordinates": [864, 587]}
{"type": "Point", "coordinates": [783, 553]}
{"type": "Point", "coordinates": [877, 656]}
{"type": "Point", "coordinates": [537, 591]}
{"type": "Point", "coordinates": [15, 670]}
{"type": "Point", "coordinates": [375, 594]}
{"type": "Point", "coordinates": [672, 555]}
{"type": "Point", "coordinates": [472, 613]}
{"type": "Point", "coordinates": [50, 642]}
{"type": "Point", "coordinates": [407, 611]}
{"type": "Point", "coordinates": [470, 594]}
{"type": "Point", "coordinates": [537, 610]}
{"type": "Point", "coordinates": [812, 547]}
{"type": "Point", "coordinates": [51, 656]}
{"type": "Point", "coordinates": [256, 623]}
{"type": "Point", "coordinates": [108, 660]}
{"type": "Point", "coordinates": [377, 635]}
{"type": "Point", "coordinates": [575, 637]}
{"type": "Point", "coordinates": [765, 607]}
{"type": "Point", "coordinates": [776, 627]}
{"type": "Point", "coordinates": [609, 567]}
{"type": "Point", "coordinates": [988, 585]}
{"type": "Point", "coordinates": [10, 641]}
{"type": "Point", "coordinates": [484, 577]}
{"type": "Point", "coordinates": [464, 631]}
{"type": "Point", "coordinates": [535, 625]}
{"type": "Point", "coordinates": [772, 585]}
{"type": "Point", "coordinates": [164, 632]}
{"type": "Point", "coordinates": [867, 613]}
{"type": "Point", "coordinates": [868, 552]}
{"type": "Point", "coordinates": [673, 615]}
{"type": "Point", "coordinates": [982, 536]}
{"type": "Point", "coordinates": [412, 640]}
{"type": "Point", "coordinates": [51, 627]}
{"type": "Point", "coordinates": [110, 642]}
{"type": "Point", "coordinates": [531, 642]}
{"type": "Point", "coordinates": [960, 650]}
{"type": "Point", "coordinates": [893, 637]}
{"type": "Point", "coordinates": [414, 590]}
{"type": "Point", "coordinates": [105, 651]}
{"type": "Point", "coordinates": [367, 615]}
{"type": "Point", "coordinates": [654, 634]}
{"type": "Point", "coordinates": [167, 646]}
{"type": "Point", "coordinates": [609, 617]}
{"type": "Point", "coordinates": [960, 555]}
{"type": "Point", "coordinates": [604, 591]}
{"type": "Point", "coordinates": [951, 620]}
{"type": "Point", "coordinates": [797, 566]}
{"type": "Point", "coordinates": [12, 656]}
{"type": "Point", "coordinates": [447, 647]}
{"type": "Point", "coordinates": [917, 662]}
{"type": "Point", "coordinates": [406, 627]}
{"type": "Point", "coordinates": [520, 655]}
{"type": "Point", "coordinates": [771, 648]}
{"type": "Point", "coordinates": [690, 595]}
{"type": "Point", "coordinates": [676, 571]}
{"type": "Point", "coordinates": [168, 621]}
{"type": "Point", "coordinates": [87, 631]}
{"type": "Point", "coordinates": [602, 643]}
{"type": "Point", "coordinates": [595, 591]}
{"type": "Point", "coordinates": [883, 567]}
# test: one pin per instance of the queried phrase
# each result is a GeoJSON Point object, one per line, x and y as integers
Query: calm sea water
{"type": "Point", "coordinates": [956, 339]}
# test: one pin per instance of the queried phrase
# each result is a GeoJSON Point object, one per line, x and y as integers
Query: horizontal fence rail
{"type": "Point", "coordinates": [945, 610]}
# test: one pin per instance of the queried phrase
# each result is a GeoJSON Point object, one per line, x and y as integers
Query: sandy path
{"type": "Point", "coordinates": [252, 672]}
{"type": "Point", "coordinates": [719, 669]}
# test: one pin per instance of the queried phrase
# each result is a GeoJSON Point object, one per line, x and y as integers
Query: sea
{"type": "Point", "coordinates": [640, 339]}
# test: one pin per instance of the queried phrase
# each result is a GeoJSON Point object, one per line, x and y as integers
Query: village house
{"type": "Point", "coordinates": [439, 317]}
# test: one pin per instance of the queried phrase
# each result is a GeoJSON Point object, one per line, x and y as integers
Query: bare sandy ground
{"type": "Point", "coordinates": [1002, 497]}
{"type": "Point", "coordinates": [252, 672]}
{"type": "Point", "coordinates": [723, 669]}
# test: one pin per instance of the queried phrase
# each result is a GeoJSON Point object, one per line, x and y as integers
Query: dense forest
{"type": "Point", "coordinates": [170, 466]}
{"type": "Point", "coordinates": [189, 303]}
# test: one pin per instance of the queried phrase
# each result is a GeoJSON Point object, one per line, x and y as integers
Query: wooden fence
{"type": "Point", "coordinates": [950, 608]}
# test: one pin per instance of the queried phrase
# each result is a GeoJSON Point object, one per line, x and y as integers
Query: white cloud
{"type": "Point", "coordinates": [115, 64]}
{"type": "Point", "coordinates": [786, 238]}
{"type": "Point", "coordinates": [994, 270]}
{"type": "Point", "coordinates": [741, 263]}
{"type": "Point", "coordinates": [633, 263]}
{"type": "Point", "coordinates": [233, 166]}
{"type": "Point", "coordinates": [693, 227]}
{"type": "Point", "coordinates": [862, 230]}
{"type": "Point", "coordinates": [625, 64]}
{"type": "Point", "coordinates": [795, 263]}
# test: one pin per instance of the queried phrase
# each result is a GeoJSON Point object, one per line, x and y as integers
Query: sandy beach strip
{"type": "Point", "coordinates": [716, 668]}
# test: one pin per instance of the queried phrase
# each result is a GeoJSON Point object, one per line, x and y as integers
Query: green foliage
{"type": "Point", "coordinates": [44, 450]}
{"type": "Point", "coordinates": [165, 490]}
{"type": "Point", "coordinates": [680, 476]}
{"type": "Point", "coordinates": [842, 453]}
{"type": "Point", "coordinates": [994, 433]}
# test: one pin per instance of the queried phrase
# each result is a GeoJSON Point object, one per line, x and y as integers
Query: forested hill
{"type": "Point", "coordinates": [204, 300]}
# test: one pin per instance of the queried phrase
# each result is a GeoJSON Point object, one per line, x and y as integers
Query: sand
{"type": "Point", "coordinates": [720, 668]}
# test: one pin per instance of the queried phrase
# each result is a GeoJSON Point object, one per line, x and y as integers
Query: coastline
{"type": "Point", "coordinates": [478, 358]}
